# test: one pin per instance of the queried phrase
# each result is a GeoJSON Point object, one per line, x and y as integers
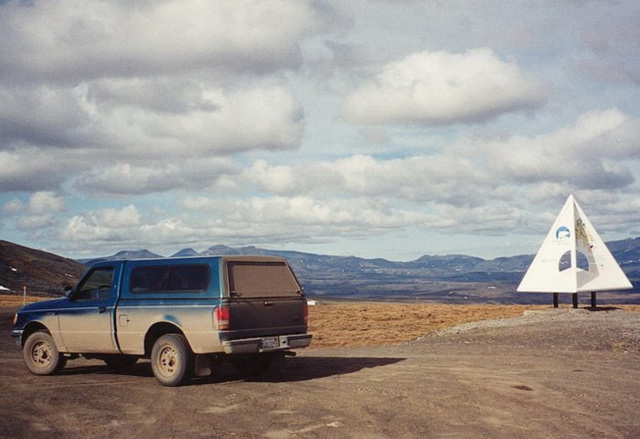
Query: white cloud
{"type": "Point", "coordinates": [258, 219]}
{"type": "Point", "coordinates": [351, 214]}
{"type": "Point", "coordinates": [13, 207]}
{"type": "Point", "coordinates": [154, 176]}
{"type": "Point", "coordinates": [212, 120]}
{"type": "Point", "coordinates": [127, 179]}
{"type": "Point", "coordinates": [64, 41]}
{"type": "Point", "coordinates": [45, 202]}
{"type": "Point", "coordinates": [40, 115]}
{"type": "Point", "coordinates": [36, 222]}
{"type": "Point", "coordinates": [41, 213]}
{"type": "Point", "coordinates": [102, 225]}
{"type": "Point", "coordinates": [277, 179]}
{"type": "Point", "coordinates": [208, 119]}
{"type": "Point", "coordinates": [111, 229]}
{"type": "Point", "coordinates": [31, 169]}
{"type": "Point", "coordinates": [443, 178]}
{"type": "Point", "coordinates": [611, 47]}
{"type": "Point", "coordinates": [418, 178]}
{"type": "Point", "coordinates": [124, 134]}
{"type": "Point", "coordinates": [441, 88]}
{"type": "Point", "coordinates": [280, 219]}
{"type": "Point", "coordinates": [594, 153]}
{"type": "Point", "coordinates": [88, 91]}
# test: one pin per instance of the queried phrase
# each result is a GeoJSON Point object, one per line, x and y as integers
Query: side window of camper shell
{"type": "Point", "coordinates": [170, 278]}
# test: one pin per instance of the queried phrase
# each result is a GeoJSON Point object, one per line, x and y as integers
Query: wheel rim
{"type": "Point", "coordinates": [168, 361]}
{"type": "Point", "coordinates": [42, 354]}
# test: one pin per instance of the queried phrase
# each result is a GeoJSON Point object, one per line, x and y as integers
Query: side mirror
{"type": "Point", "coordinates": [67, 291]}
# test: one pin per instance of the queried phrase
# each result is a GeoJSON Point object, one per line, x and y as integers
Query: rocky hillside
{"type": "Point", "coordinates": [39, 271]}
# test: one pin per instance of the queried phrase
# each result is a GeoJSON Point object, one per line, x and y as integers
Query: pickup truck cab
{"type": "Point", "coordinates": [184, 314]}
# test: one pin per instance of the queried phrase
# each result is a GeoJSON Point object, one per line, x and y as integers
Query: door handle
{"type": "Point", "coordinates": [268, 303]}
{"type": "Point", "coordinates": [102, 309]}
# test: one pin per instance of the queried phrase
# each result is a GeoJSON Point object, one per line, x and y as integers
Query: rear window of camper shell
{"type": "Point", "coordinates": [261, 279]}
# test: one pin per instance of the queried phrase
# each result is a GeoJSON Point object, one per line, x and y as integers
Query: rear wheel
{"type": "Point", "coordinates": [41, 355]}
{"type": "Point", "coordinates": [170, 359]}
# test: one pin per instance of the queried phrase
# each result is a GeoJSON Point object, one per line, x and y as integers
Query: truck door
{"type": "Point", "coordinates": [86, 323]}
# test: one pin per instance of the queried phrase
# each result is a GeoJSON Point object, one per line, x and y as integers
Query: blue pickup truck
{"type": "Point", "coordinates": [185, 314]}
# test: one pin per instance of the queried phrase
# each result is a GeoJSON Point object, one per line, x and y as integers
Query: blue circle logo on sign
{"type": "Point", "coordinates": [563, 232]}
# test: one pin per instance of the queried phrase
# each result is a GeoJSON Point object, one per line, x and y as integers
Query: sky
{"type": "Point", "coordinates": [388, 129]}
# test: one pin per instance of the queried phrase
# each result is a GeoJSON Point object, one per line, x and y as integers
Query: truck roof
{"type": "Point", "coordinates": [169, 260]}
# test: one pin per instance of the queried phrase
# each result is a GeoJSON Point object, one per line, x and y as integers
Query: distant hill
{"type": "Point", "coordinates": [447, 278]}
{"type": "Point", "coordinates": [185, 252]}
{"type": "Point", "coordinates": [39, 271]}
{"type": "Point", "coordinates": [124, 254]}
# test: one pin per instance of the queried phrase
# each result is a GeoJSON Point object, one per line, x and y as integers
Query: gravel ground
{"type": "Point", "coordinates": [605, 329]}
{"type": "Point", "coordinates": [552, 374]}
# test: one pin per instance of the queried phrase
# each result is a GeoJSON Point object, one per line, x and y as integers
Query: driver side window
{"type": "Point", "coordinates": [96, 285]}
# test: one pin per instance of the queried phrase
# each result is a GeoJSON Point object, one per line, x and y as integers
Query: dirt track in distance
{"type": "Point", "coordinates": [547, 374]}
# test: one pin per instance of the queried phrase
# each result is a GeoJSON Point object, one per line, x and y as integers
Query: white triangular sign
{"type": "Point", "coordinates": [573, 258]}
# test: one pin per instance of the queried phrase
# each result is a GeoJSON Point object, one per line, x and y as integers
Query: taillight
{"type": "Point", "coordinates": [305, 312]}
{"type": "Point", "coordinates": [221, 318]}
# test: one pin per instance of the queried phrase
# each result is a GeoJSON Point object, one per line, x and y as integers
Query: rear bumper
{"type": "Point", "coordinates": [253, 345]}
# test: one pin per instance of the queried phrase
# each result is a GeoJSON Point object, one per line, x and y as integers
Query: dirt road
{"type": "Point", "coordinates": [569, 375]}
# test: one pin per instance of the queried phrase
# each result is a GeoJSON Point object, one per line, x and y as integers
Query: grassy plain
{"type": "Point", "coordinates": [17, 300]}
{"type": "Point", "coordinates": [346, 324]}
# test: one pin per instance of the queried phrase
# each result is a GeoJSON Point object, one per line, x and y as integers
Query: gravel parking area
{"type": "Point", "coordinates": [561, 374]}
{"type": "Point", "coordinates": [603, 329]}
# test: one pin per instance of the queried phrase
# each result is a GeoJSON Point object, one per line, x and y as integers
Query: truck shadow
{"type": "Point", "coordinates": [302, 369]}
{"type": "Point", "coordinates": [293, 369]}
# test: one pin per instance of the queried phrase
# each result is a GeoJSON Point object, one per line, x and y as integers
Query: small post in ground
{"type": "Point", "coordinates": [593, 299]}
{"type": "Point", "coordinates": [555, 300]}
{"type": "Point", "coordinates": [575, 300]}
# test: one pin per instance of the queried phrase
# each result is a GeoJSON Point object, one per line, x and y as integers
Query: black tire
{"type": "Point", "coordinates": [41, 355]}
{"type": "Point", "coordinates": [119, 362]}
{"type": "Point", "coordinates": [171, 359]}
{"type": "Point", "coordinates": [252, 364]}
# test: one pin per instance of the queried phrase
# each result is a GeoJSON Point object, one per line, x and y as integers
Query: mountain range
{"type": "Point", "coordinates": [447, 278]}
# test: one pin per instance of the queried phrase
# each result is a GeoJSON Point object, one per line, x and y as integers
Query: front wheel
{"type": "Point", "coordinates": [41, 355]}
{"type": "Point", "coordinates": [170, 358]}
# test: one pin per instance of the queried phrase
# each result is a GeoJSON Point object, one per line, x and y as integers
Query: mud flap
{"type": "Point", "coordinates": [203, 365]}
